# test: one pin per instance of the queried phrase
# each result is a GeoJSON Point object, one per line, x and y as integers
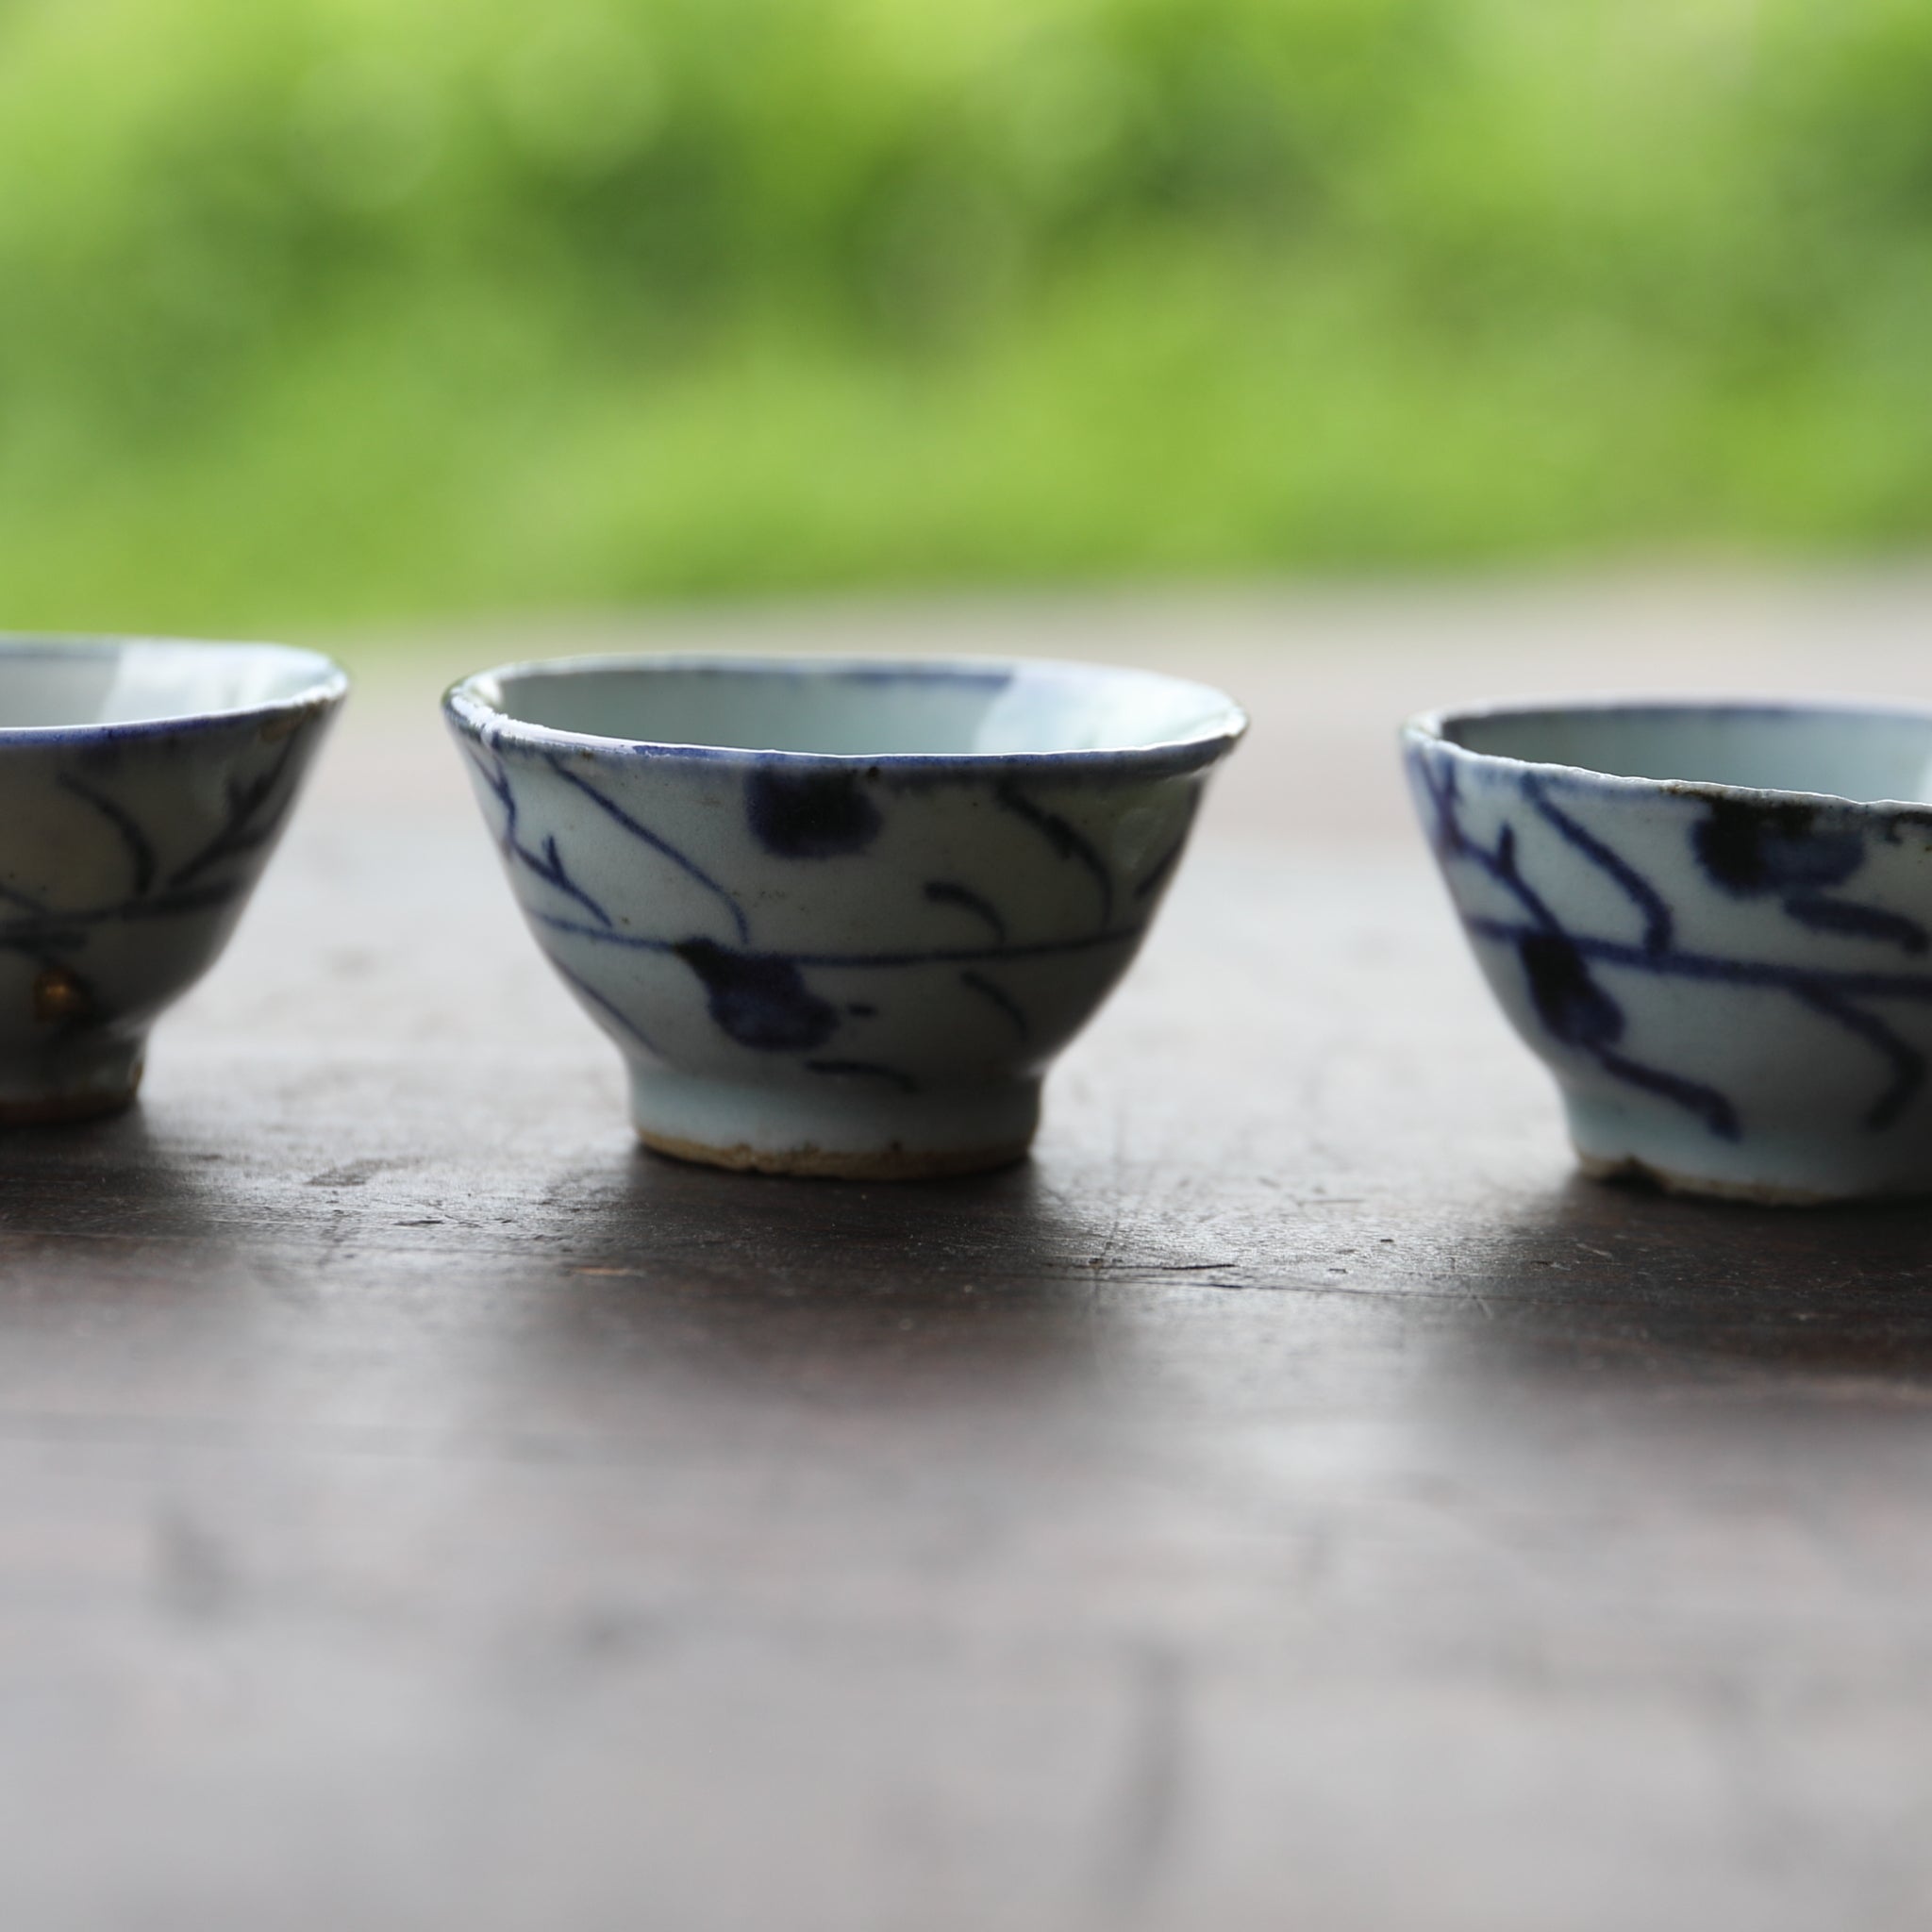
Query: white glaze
{"type": "Point", "coordinates": [1713, 923]}
{"type": "Point", "coordinates": [839, 915]}
{"type": "Point", "coordinates": [142, 786]}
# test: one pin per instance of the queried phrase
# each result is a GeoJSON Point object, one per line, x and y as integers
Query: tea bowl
{"type": "Point", "coordinates": [837, 914]}
{"type": "Point", "coordinates": [1711, 921]}
{"type": "Point", "coordinates": [143, 783]}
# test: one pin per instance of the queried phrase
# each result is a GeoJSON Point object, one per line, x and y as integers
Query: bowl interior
{"type": "Point", "coordinates": [53, 685]}
{"type": "Point", "coordinates": [861, 710]}
{"type": "Point", "coordinates": [1865, 756]}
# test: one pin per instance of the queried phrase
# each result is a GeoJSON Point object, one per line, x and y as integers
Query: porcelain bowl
{"type": "Point", "coordinates": [837, 915]}
{"type": "Point", "coordinates": [1711, 921]}
{"type": "Point", "coordinates": [144, 784]}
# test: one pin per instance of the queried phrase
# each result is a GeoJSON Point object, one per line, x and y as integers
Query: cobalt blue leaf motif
{"type": "Point", "coordinates": [949, 892]}
{"type": "Point", "coordinates": [214, 875]}
{"type": "Point", "coordinates": [1066, 839]}
{"type": "Point", "coordinates": [1776, 851]}
{"type": "Point", "coordinates": [762, 999]}
{"type": "Point", "coordinates": [811, 814]}
{"type": "Point", "coordinates": [759, 999]}
{"type": "Point", "coordinates": [1779, 853]}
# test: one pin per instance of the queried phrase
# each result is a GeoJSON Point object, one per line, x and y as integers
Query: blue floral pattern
{"type": "Point", "coordinates": [1792, 856]}
{"type": "Point", "coordinates": [166, 884]}
{"type": "Point", "coordinates": [771, 999]}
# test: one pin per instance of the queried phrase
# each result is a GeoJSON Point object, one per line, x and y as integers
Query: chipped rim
{"type": "Point", "coordinates": [476, 714]}
{"type": "Point", "coordinates": [328, 685]}
{"type": "Point", "coordinates": [1429, 730]}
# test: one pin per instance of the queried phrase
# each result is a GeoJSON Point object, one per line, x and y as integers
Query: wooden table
{"type": "Point", "coordinates": [1289, 1501]}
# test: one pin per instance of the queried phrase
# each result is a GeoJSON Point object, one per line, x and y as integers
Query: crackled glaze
{"type": "Point", "coordinates": [838, 916]}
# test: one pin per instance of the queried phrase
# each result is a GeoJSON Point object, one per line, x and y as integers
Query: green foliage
{"type": "Point", "coordinates": [330, 308]}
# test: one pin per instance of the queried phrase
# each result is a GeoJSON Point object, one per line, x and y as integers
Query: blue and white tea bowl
{"type": "Point", "coordinates": [142, 786]}
{"type": "Point", "coordinates": [1712, 922]}
{"type": "Point", "coordinates": [839, 915]}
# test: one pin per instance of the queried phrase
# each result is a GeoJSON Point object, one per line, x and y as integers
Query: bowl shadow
{"type": "Point", "coordinates": [116, 1176]}
{"type": "Point", "coordinates": [1617, 1278]}
{"type": "Point", "coordinates": [942, 1289]}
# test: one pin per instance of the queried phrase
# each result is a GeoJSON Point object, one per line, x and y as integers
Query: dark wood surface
{"type": "Point", "coordinates": [1289, 1500]}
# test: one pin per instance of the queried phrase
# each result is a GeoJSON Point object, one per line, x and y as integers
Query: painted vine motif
{"type": "Point", "coordinates": [217, 873]}
{"type": "Point", "coordinates": [764, 999]}
{"type": "Point", "coordinates": [1778, 853]}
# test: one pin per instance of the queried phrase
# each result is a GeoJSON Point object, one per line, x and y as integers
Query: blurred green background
{"type": "Point", "coordinates": [318, 311]}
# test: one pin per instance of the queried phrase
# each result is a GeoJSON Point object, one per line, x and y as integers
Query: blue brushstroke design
{"type": "Point", "coordinates": [1707, 1103]}
{"type": "Point", "coordinates": [1000, 997]}
{"type": "Point", "coordinates": [810, 814]}
{"type": "Point", "coordinates": [1567, 998]}
{"type": "Point", "coordinates": [68, 928]}
{"type": "Point", "coordinates": [937, 956]}
{"type": "Point", "coordinates": [1908, 1067]}
{"type": "Point", "coordinates": [551, 869]}
{"type": "Point", "coordinates": [1852, 982]}
{"type": "Point", "coordinates": [1748, 849]}
{"type": "Point", "coordinates": [140, 854]}
{"type": "Point", "coordinates": [1156, 876]}
{"type": "Point", "coordinates": [46, 942]}
{"type": "Point", "coordinates": [50, 935]}
{"type": "Point", "coordinates": [1752, 852]}
{"type": "Point", "coordinates": [1569, 1002]}
{"type": "Point", "coordinates": [759, 999]}
{"type": "Point", "coordinates": [254, 813]}
{"type": "Point", "coordinates": [546, 865]}
{"type": "Point", "coordinates": [598, 999]}
{"type": "Point", "coordinates": [1658, 927]}
{"type": "Point", "coordinates": [617, 814]}
{"type": "Point", "coordinates": [950, 892]}
{"type": "Point", "coordinates": [1066, 839]}
{"type": "Point", "coordinates": [1855, 922]}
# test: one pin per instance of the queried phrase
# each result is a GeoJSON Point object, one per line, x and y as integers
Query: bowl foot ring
{"type": "Point", "coordinates": [894, 1163]}
{"type": "Point", "coordinates": [1628, 1171]}
{"type": "Point", "coordinates": [69, 1109]}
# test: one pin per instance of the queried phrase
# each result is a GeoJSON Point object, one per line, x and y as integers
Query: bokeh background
{"type": "Point", "coordinates": [326, 312]}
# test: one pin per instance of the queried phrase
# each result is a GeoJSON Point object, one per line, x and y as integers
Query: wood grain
{"type": "Point", "coordinates": [1291, 1499]}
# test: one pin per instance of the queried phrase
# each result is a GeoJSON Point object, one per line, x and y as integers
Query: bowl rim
{"type": "Point", "coordinates": [471, 713]}
{"type": "Point", "coordinates": [328, 684]}
{"type": "Point", "coordinates": [1429, 729]}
